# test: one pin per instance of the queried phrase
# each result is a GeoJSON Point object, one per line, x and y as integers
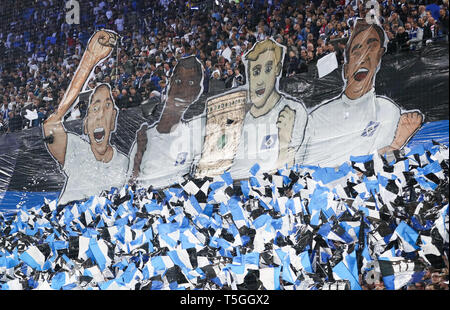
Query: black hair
{"type": "Point", "coordinates": [189, 63]}
{"type": "Point", "coordinates": [362, 25]}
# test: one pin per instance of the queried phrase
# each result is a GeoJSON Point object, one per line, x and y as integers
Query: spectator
{"type": "Point", "coordinates": [4, 111]}
{"type": "Point", "coordinates": [430, 30]}
{"type": "Point", "coordinates": [135, 98]}
{"type": "Point", "coordinates": [402, 39]}
{"type": "Point", "coordinates": [293, 64]}
{"type": "Point", "coordinates": [415, 36]}
{"type": "Point", "coordinates": [238, 79]}
{"type": "Point", "coordinates": [228, 78]}
{"type": "Point", "coordinates": [216, 84]}
{"type": "Point", "coordinates": [153, 40]}
{"type": "Point", "coordinates": [434, 9]}
{"type": "Point", "coordinates": [124, 100]}
{"type": "Point", "coordinates": [443, 21]}
{"type": "Point", "coordinates": [15, 122]}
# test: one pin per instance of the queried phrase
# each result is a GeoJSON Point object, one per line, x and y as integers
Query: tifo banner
{"type": "Point", "coordinates": [370, 104]}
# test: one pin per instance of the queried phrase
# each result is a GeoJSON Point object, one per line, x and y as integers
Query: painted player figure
{"type": "Point", "coordinates": [274, 125]}
{"type": "Point", "coordinates": [358, 122]}
{"type": "Point", "coordinates": [93, 164]}
{"type": "Point", "coordinates": [165, 152]}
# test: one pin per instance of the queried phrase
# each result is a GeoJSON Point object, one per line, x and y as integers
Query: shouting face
{"type": "Point", "coordinates": [364, 55]}
{"type": "Point", "coordinates": [263, 73]}
{"type": "Point", "coordinates": [100, 121]}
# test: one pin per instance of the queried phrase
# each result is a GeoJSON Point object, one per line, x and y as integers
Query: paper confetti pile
{"type": "Point", "coordinates": [302, 228]}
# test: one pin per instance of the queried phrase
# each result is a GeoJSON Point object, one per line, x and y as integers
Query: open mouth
{"type": "Point", "coordinates": [260, 91]}
{"type": "Point", "coordinates": [99, 134]}
{"type": "Point", "coordinates": [179, 100]}
{"type": "Point", "coordinates": [361, 74]}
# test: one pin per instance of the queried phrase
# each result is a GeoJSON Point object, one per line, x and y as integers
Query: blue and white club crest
{"type": "Point", "coordinates": [181, 158]}
{"type": "Point", "coordinates": [268, 142]}
{"type": "Point", "coordinates": [370, 129]}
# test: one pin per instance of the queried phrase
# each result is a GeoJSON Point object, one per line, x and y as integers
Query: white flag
{"type": "Point", "coordinates": [327, 64]}
{"type": "Point", "coordinates": [31, 115]}
{"type": "Point", "coordinates": [227, 53]}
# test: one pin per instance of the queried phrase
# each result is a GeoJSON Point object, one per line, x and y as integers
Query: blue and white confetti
{"type": "Point", "coordinates": [304, 228]}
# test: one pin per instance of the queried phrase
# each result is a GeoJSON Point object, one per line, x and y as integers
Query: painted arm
{"type": "Point", "coordinates": [285, 124]}
{"type": "Point", "coordinates": [141, 140]}
{"type": "Point", "coordinates": [99, 47]}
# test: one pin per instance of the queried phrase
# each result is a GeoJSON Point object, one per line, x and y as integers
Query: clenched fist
{"type": "Point", "coordinates": [407, 125]}
{"type": "Point", "coordinates": [101, 44]}
{"type": "Point", "coordinates": [285, 124]}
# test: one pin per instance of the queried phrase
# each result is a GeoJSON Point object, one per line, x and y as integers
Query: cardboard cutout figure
{"type": "Point", "coordinates": [275, 123]}
{"type": "Point", "coordinates": [358, 122]}
{"type": "Point", "coordinates": [90, 164]}
{"type": "Point", "coordinates": [164, 153]}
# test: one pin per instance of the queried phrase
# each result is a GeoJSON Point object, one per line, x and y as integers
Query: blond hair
{"type": "Point", "coordinates": [263, 46]}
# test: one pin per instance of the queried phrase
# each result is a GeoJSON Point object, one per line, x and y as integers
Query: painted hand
{"type": "Point", "coordinates": [101, 44]}
{"type": "Point", "coordinates": [285, 124]}
{"type": "Point", "coordinates": [141, 137]}
{"type": "Point", "coordinates": [407, 125]}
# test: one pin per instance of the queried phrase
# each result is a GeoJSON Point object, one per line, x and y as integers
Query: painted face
{"type": "Point", "coordinates": [363, 59]}
{"type": "Point", "coordinates": [100, 120]}
{"type": "Point", "coordinates": [184, 86]}
{"type": "Point", "coordinates": [263, 73]}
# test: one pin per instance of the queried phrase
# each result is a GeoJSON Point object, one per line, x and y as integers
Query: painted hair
{"type": "Point", "coordinates": [263, 46]}
{"type": "Point", "coordinates": [189, 62]}
{"type": "Point", "coordinates": [360, 26]}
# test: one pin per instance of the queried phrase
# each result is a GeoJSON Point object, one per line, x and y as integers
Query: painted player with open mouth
{"type": "Point", "coordinates": [93, 164]}
{"type": "Point", "coordinates": [358, 122]}
{"type": "Point", "coordinates": [99, 134]}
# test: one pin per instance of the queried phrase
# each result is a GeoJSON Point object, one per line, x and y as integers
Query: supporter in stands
{"type": "Point", "coordinates": [415, 36]}
{"type": "Point", "coordinates": [135, 97]}
{"type": "Point", "coordinates": [158, 34]}
{"type": "Point", "coordinates": [402, 38]}
{"type": "Point", "coordinates": [443, 21]}
{"type": "Point", "coordinates": [15, 121]}
{"type": "Point", "coordinates": [123, 100]}
{"type": "Point", "coordinates": [4, 112]}
{"type": "Point", "coordinates": [430, 30]}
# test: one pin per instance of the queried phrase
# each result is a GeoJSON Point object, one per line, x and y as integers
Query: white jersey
{"type": "Point", "coordinates": [344, 127]}
{"type": "Point", "coordinates": [86, 176]}
{"type": "Point", "coordinates": [168, 157]}
{"type": "Point", "coordinates": [259, 143]}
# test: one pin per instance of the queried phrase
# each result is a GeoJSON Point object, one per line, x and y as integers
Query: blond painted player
{"type": "Point", "coordinates": [274, 125]}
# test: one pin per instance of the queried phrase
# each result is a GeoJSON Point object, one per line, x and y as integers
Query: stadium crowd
{"type": "Point", "coordinates": [40, 51]}
{"type": "Point", "coordinates": [432, 279]}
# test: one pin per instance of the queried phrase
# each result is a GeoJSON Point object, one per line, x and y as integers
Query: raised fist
{"type": "Point", "coordinates": [101, 44]}
{"type": "Point", "coordinates": [408, 124]}
{"type": "Point", "coordinates": [285, 124]}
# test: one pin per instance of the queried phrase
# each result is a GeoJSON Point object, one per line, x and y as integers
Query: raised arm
{"type": "Point", "coordinates": [141, 145]}
{"type": "Point", "coordinates": [99, 47]}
